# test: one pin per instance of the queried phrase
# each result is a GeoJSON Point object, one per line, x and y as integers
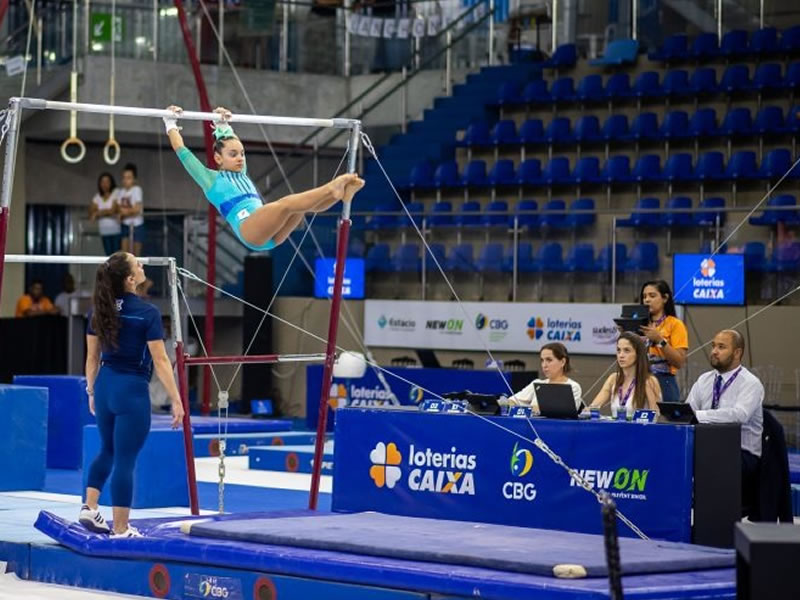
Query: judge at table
{"type": "Point", "coordinates": [554, 361]}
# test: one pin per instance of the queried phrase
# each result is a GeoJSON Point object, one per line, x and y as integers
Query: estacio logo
{"type": "Point", "coordinates": [521, 461]}
{"type": "Point", "coordinates": [396, 324]}
{"type": "Point", "coordinates": [708, 267]}
{"type": "Point", "coordinates": [385, 469]}
{"type": "Point", "coordinates": [382, 321]}
{"type": "Point", "coordinates": [535, 328]}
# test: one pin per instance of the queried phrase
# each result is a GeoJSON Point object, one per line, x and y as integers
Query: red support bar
{"type": "Point", "coordinates": [183, 389]}
{"type": "Point", "coordinates": [229, 360]}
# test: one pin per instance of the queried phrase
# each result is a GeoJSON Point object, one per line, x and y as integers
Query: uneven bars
{"type": "Point", "coordinates": [254, 358]}
{"type": "Point", "coordinates": [155, 261]}
{"type": "Point", "coordinates": [187, 115]}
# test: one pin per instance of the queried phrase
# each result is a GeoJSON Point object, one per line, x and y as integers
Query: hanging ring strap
{"type": "Point", "coordinates": [73, 139]}
{"type": "Point", "coordinates": [112, 151]}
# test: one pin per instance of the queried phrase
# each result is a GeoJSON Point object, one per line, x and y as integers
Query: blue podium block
{"type": "Point", "coordinates": [159, 479]}
{"type": "Point", "coordinates": [292, 459]}
{"type": "Point", "coordinates": [23, 437]}
{"type": "Point", "coordinates": [68, 412]}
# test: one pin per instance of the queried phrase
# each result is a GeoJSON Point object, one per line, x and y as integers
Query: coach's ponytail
{"type": "Point", "coordinates": [109, 285]}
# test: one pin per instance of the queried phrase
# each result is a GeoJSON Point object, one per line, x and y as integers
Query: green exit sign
{"type": "Point", "coordinates": [100, 24]}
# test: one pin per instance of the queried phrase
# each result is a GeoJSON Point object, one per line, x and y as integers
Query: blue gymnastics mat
{"type": "Point", "coordinates": [235, 424]}
{"type": "Point", "coordinates": [165, 542]}
{"type": "Point", "coordinates": [794, 467]}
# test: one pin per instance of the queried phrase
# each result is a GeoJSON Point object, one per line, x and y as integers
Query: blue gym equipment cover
{"type": "Point", "coordinates": [234, 424]}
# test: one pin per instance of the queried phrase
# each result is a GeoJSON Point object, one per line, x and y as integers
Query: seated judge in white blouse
{"type": "Point", "coordinates": [554, 361]}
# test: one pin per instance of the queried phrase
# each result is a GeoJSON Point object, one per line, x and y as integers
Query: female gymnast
{"type": "Point", "coordinates": [124, 342]}
{"type": "Point", "coordinates": [258, 226]}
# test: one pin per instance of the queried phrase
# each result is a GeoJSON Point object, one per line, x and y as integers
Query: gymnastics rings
{"type": "Point", "coordinates": [111, 151]}
{"type": "Point", "coordinates": [73, 139]}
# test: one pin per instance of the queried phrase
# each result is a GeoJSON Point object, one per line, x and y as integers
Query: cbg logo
{"type": "Point", "coordinates": [708, 267]}
{"type": "Point", "coordinates": [481, 321]}
{"type": "Point", "coordinates": [415, 394]}
{"type": "Point", "coordinates": [210, 589]}
{"type": "Point", "coordinates": [535, 328]}
{"type": "Point", "coordinates": [385, 470]}
{"type": "Point", "coordinates": [521, 464]}
{"type": "Point", "coordinates": [521, 461]}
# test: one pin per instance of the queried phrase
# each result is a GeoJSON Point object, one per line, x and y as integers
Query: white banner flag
{"type": "Point", "coordinates": [418, 28]}
{"type": "Point", "coordinates": [389, 28]}
{"type": "Point", "coordinates": [376, 27]}
{"type": "Point", "coordinates": [363, 26]}
{"type": "Point", "coordinates": [353, 22]}
{"type": "Point", "coordinates": [403, 26]}
{"type": "Point", "coordinates": [433, 24]}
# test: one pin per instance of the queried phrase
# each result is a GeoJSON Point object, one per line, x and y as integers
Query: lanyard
{"type": "Point", "coordinates": [660, 321]}
{"type": "Point", "coordinates": [624, 401]}
{"type": "Point", "coordinates": [719, 390]}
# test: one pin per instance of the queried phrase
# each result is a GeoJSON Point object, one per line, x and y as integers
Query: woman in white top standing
{"type": "Point", "coordinates": [132, 211]}
{"type": "Point", "coordinates": [105, 210]}
{"type": "Point", "coordinates": [632, 387]}
{"type": "Point", "coordinates": [554, 361]}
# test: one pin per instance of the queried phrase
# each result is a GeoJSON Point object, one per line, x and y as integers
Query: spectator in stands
{"type": "Point", "coordinates": [731, 394]}
{"type": "Point", "coordinates": [554, 361]}
{"type": "Point", "coordinates": [35, 303]}
{"type": "Point", "coordinates": [632, 387]}
{"type": "Point", "coordinates": [66, 294]}
{"type": "Point", "coordinates": [132, 211]}
{"type": "Point", "coordinates": [105, 210]}
{"type": "Point", "coordinates": [666, 337]}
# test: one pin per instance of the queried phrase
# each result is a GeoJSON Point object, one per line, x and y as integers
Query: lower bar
{"type": "Point", "coordinates": [253, 358]}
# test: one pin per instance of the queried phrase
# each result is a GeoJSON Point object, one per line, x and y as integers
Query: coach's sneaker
{"type": "Point", "coordinates": [93, 520]}
{"type": "Point", "coordinates": [130, 532]}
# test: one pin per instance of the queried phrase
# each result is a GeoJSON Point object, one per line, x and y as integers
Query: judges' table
{"type": "Point", "coordinates": [458, 466]}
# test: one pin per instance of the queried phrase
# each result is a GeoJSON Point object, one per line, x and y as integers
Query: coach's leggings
{"type": "Point", "coordinates": [122, 408]}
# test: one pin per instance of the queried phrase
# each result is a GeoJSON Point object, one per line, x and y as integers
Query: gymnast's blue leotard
{"type": "Point", "coordinates": [232, 194]}
{"type": "Point", "coordinates": [122, 397]}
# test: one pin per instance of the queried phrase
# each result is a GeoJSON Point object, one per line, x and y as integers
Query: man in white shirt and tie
{"type": "Point", "coordinates": [732, 394]}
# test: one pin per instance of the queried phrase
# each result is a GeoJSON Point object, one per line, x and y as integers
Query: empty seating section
{"type": "Point", "coordinates": [526, 167]}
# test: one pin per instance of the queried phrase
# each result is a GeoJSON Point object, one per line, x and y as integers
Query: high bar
{"type": "Point", "coordinates": [156, 261]}
{"type": "Point", "coordinates": [187, 115]}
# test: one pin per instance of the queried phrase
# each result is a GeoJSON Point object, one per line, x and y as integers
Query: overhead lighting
{"type": "Point", "coordinates": [97, 47]}
{"type": "Point", "coordinates": [168, 12]}
{"type": "Point", "coordinates": [141, 40]}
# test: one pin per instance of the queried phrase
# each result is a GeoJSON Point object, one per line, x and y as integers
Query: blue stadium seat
{"type": "Point", "coordinates": [790, 40]}
{"type": "Point", "coordinates": [587, 130]}
{"type": "Point", "coordinates": [678, 219]}
{"type": "Point", "coordinates": [678, 168]}
{"type": "Point", "coordinates": [674, 49]}
{"type": "Point", "coordinates": [755, 256]}
{"type": "Point", "coordinates": [771, 217]}
{"type": "Point", "coordinates": [704, 82]}
{"type": "Point", "coordinates": [406, 259]}
{"type": "Point", "coordinates": [643, 215]}
{"type": "Point", "coordinates": [676, 84]}
{"type": "Point", "coordinates": [378, 258]}
{"type": "Point", "coordinates": [581, 259]}
{"type": "Point", "coordinates": [644, 257]}
{"type": "Point", "coordinates": [708, 216]}
{"type": "Point", "coordinates": [505, 133]}
{"type": "Point", "coordinates": [617, 170]}
{"type": "Point", "coordinates": [703, 123]}
{"type": "Point", "coordinates": [446, 175]}
{"type": "Point", "coordinates": [530, 172]}
{"type": "Point", "coordinates": [469, 214]}
{"type": "Point", "coordinates": [647, 85]}
{"type": "Point", "coordinates": [738, 122]}
{"type": "Point", "coordinates": [785, 258]}
{"type": "Point", "coordinates": [769, 121]}
{"type": "Point", "coordinates": [437, 250]}
{"type": "Point", "coordinates": [535, 92]}
{"type": "Point", "coordinates": [562, 90]}
{"type": "Point", "coordinates": [644, 127]}
{"type": "Point", "coordinates": [742, 166]}
{"type": "Point", "coordinates": [735, 79]}
{"type": "Point", "coordinates": [587, 171]}
{"type": "Point", "coordinates": [647, 169]}
{"type": "Point", "coordinates": [775, 164]}
{"type": "Point", "coordinates": [550, 258]}
{"type": "Point", "coordinates": [792, 78]}
{"type": "Point", "coordinates": [767, 77]}
{"type": "Point", "coordinates": [615, 128]}
{"type": "Point", "coordinates": [525, 260]}
{"type": "Point", "coordinates": [565, 56]}
{"type": "Point", "coordinates": [618, 52]}
{"type": "Point", "coordinates": [495, 220]}
{"type": "Point", "coordinates": [734, 44]}
{"type": "Point", "coordinates": [764, 42]}
{"type": "Point", "coordinates": [556, 171]}
{"type": "Point", "coordinates": [476, 135]}
{"type": "Point", "coordinates": [793, 119]}
{"type": "Point", "coordinates": [509, 94]}
{"type": "Point", "coordinates": [675, 125]}
{"type": "Point", "coordinates": [579, 215]}
{"type": "Point", "coordinates": [502, 173]}
{"type": "Point", "coordinates": [558, 131]}
{"type": "Point", "coordinates": [618, 87]}
{"type": "Point", "coordinates": [553, 214]}
{"type": "Point", "coordinates": [421, 176]}
{"type": "Point", "coordinates": [710, 166]}
{"type": "Point", "coordinates": [490, 258]}
{"type": "Point", "coordinates": [704, 47]}
{"type": "Point", "coordinates": [610, 255]}
{"type": "Point", "coordinates": [474, 174]}
{"type": "Point", "coordinates": [415, 209]}
{"type": "Point", "coordinates": [381, 221]}
{"type": "Point", "coordinates": [590, 89]}
{"type": "Point", "coordinates": [442, 214]}
{"type": "Point", "coordinates": [461, 258]}
{"type": "Point", "coordinates": [532, 132]}
{"type": "Point", "coordinates": [524, 212]}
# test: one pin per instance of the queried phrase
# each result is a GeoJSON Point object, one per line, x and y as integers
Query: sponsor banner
{"type": "Point", "coordinates": [352, 282]}
{"type": "Point", "coordinates": [703, 279]}
{"type": "Point", "coordinates": [197, 585]}
{"type": "Point", "coordinates": [400, 462]}
{"type": "Point", "coordinates": [369, 392]}
{"type": "Point", "coordinates": [517, 326]}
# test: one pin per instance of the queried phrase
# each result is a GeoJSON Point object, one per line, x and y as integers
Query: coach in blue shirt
{"type": "Point", "coordinates": [124, 342]}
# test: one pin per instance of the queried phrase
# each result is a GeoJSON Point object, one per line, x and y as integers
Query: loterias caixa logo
{"type": "Point", "coordinates": [427, 470]}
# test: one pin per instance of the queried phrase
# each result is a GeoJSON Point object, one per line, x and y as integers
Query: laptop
{"type": "Point", "coordinates": [633, 317]}
{"type": "Point", "coordinates": [485, 404]}
{"type": "Point", "coordinates": [677, 412]}
{"type": "Point", "coordinates": [556, 401]}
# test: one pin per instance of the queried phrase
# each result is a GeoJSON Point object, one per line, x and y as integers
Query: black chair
{"type": "Point", "coordinates": [774, 499]}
